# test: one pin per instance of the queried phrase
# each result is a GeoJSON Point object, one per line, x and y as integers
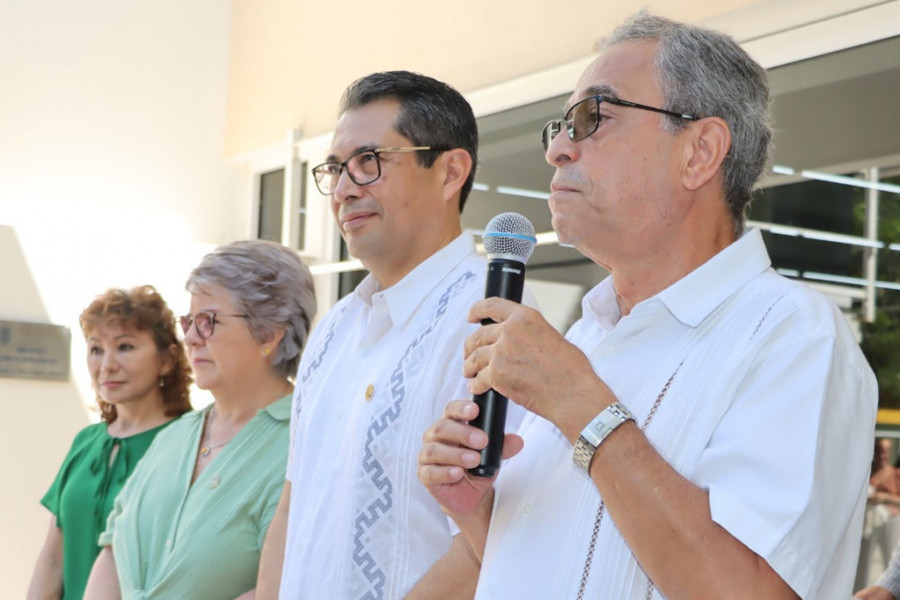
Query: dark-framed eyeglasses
{"type": "Point", "coordinates": [205, 322]}
{"type": "Point", "coordinates": [584, 118]}
{"type": "Point", "coordinates": [363, 167]}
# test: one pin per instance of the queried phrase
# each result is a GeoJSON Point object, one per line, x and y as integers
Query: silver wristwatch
{"type": "Point", "coordinates": [598, 430]}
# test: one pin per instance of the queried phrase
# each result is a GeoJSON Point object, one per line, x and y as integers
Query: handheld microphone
{"type": "Point", "coordinates": [508, 242]}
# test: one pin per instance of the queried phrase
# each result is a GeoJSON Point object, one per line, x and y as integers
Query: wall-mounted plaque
{"type": "Point", "coordinates": [34, 350]}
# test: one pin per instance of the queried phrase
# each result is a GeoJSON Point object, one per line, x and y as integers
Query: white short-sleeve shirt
{"type": "Point", "coordinates": [377, 372]}
{"type": "Point", "coordinates": [762, 397]}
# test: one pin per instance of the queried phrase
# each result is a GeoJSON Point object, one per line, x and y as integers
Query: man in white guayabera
{"type": "Point", "coordinates": [353, 522]}
{"type": "Point", "coordinates": [705, 430]}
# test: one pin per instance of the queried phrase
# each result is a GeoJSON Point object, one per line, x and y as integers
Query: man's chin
{"type": "Point", "coordinates": [563, 236]}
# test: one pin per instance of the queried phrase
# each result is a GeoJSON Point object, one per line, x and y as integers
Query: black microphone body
{"type": "Point", "coordinates": [505, 279]}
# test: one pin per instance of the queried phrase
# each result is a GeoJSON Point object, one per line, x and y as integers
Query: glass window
{"type": "Point", "coordinates": [271, 205]}
{"type": "Point", "coordinates": [301, 207]}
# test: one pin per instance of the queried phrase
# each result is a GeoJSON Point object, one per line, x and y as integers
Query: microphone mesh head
{"type": "Point", "coordinates": [509, 235]}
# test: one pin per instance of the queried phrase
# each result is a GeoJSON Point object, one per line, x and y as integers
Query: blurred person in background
{"type": "Point", "coordinates": [192, 519]}
{"type": "Point", "coordinates": [888, 585]}
{"type": "Point", "coordinates": [881, 528]}
{"type": "Point", "coordinates": [140, 373]}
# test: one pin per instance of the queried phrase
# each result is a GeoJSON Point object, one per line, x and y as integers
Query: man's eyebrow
{"type": "Point", "coordinates": [594, 90]}
{"type": "Point", "coordinates": [332, 158]}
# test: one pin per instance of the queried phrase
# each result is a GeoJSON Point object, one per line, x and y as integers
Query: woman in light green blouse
{"type": "Point", "coordinates": [141, 376]}
{"type": "Point", "coordinates": [191, 521]}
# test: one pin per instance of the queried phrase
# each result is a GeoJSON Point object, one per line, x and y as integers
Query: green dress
{"type": "Point", "coordinates": [83, 493]}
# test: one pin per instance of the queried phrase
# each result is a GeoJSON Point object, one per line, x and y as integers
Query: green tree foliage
{"type": "Point", "coordinates": [881, 339]}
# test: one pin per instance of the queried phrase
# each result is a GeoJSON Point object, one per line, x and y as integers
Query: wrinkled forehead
{"type": "Point", "coordinates": [589, 92]}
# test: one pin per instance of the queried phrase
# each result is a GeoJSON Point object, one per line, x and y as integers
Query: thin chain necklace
{"type": "Point", "coordinates": [206, 448]}
{"type": "Point", "coordinates": [598, 519]}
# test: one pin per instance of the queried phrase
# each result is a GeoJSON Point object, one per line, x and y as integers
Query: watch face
{"type": "Point", "coordinates": [598, 430]}
{"type": "Point", "coordinates": [593, 433]}
{"type": "Point", "coordinates": [604, 428]}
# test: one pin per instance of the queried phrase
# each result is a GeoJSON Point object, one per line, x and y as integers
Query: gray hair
{"type": "Point", "coordinates": [270, 283]}
{"type": "Point", "coordinates": [705, 73]}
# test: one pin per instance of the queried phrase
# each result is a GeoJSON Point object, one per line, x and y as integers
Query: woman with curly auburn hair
{"type": "Point", "coordinates": [140, 373]}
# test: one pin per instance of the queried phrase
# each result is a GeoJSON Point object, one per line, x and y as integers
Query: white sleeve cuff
{"type": "Point", "coordinates": [762, 538]}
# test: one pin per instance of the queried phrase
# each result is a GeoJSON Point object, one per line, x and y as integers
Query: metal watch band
{"type": "Point", "coordinates": [598, 430]}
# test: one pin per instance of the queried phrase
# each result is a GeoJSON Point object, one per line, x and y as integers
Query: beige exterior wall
{"type": "Point", "coordinates": [112, 173]}
{"type": "Point", "coordinates": [292, 59]}
{"type": "Point", "coordinates": [39, 420]}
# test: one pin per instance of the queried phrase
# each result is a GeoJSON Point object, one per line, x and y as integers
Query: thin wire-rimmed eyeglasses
{"type": "Point", "coordinates": [363, 166]}
{"type": "Point", "coordinates": [584, 118]}
{"type": "Point", "coordinates": [205, 322]}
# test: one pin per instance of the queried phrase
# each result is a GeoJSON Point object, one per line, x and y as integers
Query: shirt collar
{"type": "Point", "coordinates": [406, 295]}
{"type": "Point", "coordinates": [280, 410]}
{"type": "Point", "coordinates": [601, 304]}
{"type": "Point", "coordinates": [695, 296]}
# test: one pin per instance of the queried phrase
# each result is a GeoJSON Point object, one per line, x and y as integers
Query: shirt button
{"type": "Point", "coordinates": [529, 508]}
{"type": "Point", "coordinates": [169, 543]}
{"type": "Point", "coordinates": [214, 482]}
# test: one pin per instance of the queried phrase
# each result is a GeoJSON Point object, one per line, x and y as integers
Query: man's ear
{"type": "Point", "coordinates": [709, 141]}
{"type": "Point", "coordinates": [457, 164]}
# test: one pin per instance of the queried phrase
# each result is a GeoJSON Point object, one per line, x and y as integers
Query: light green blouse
{"type": "Point", "coordinates": [172, 539]}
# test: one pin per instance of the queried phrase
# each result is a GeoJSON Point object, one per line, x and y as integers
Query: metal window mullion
{"type": "Point", "coordinates": [870, 259]}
